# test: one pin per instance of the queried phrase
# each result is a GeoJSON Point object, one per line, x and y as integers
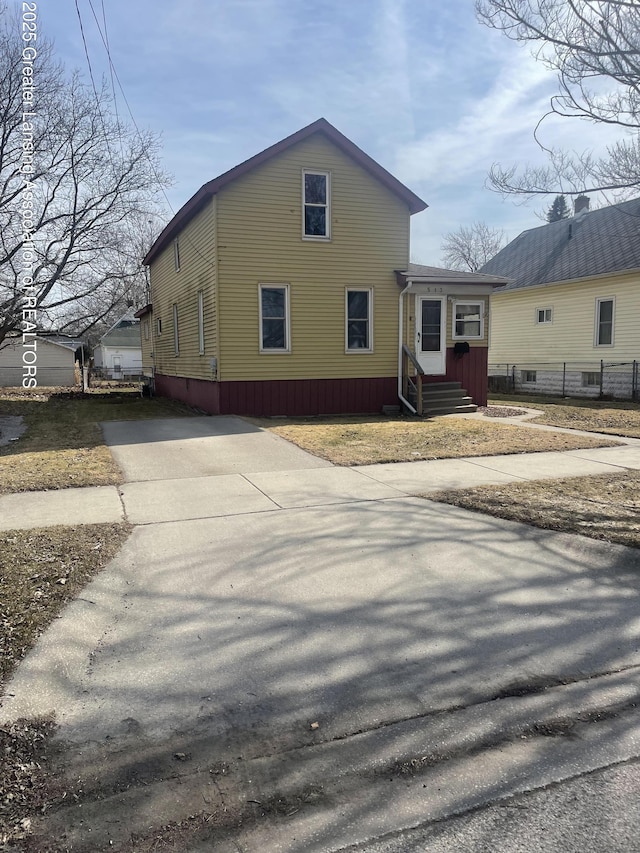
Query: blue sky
{"type": "Point", "coordinates": [419, 85]}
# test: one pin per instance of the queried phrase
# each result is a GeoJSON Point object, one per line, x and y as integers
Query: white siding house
{"type": "Point", "coordinates": [568, 322]}
{"type": "Point", "coordinates": [54, 363]}
{"type": "Point", "coordinates": [119, 353]}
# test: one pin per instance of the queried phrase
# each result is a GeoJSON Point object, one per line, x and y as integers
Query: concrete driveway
{"type": "Point", "coordinates": [288, 623]}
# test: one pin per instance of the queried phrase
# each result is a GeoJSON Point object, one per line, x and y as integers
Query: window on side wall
{"type": "Point", "coordinates": [176, 332]}
{"type": "Point", "coordinates": [316, 206]}
{"type": "Point", "coordinates": [528, 376]}
{"type": "Point", "coordinates": [274, 318]}
{"type": "Point", "coordinates": [159, 326]}
{"type": "Point", "coordinates": [359, 336]}
{"type": "Point", "coordinates": [176, 255]}
{"type": "Point", "coordinates": [544, 315]}
{"type": "Point", "coordinates": [146, 330]}
{"type": "Point", "coordinates": [604, 322]}
{"type": "Point", "coordinates": [201, 322]}
{"type": "Point", "coordinates": [468, 320]}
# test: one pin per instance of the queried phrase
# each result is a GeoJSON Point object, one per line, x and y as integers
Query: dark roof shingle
{"type": "Point", "coordinates": [594, 243]}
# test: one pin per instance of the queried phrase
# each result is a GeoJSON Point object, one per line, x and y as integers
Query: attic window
{"type": "Point", "coordinates": [316, 205]}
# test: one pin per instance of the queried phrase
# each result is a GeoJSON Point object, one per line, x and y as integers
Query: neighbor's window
{"type": "Point", "coordinates": [591, 379]}
{"type": "Point", "coordinates": [159, 326]}
{"type": "Point", "coordinates": [176, 255]}
{"type": "Point", "coordinates": [146, 330]}
{"type": "Point", "coordinates": [528, 376]}
{"type": "Point", "coordinates": [544, 315]}
{"type": "Point", "coordinates": [316, 204]}
{"type": "Point", "coordinates": [604, 322]}
{"type": "Point", "coordinates": [358, 330]}
{"type": "Point", "coordinates": [201, 322]}
{"type": "Point", "coordinates": [274, 318]}
{"type": "Point", "coordinates": [468, 320]}
{"type": "Point", "coordinates": [176, 334]}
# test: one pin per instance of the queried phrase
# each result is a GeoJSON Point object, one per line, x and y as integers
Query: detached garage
{"type": "Point", "coordinates": [54, 363]}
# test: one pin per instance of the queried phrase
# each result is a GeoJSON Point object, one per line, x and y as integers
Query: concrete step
{"type": "Point", "coordinates": [462, 409]}
{"type": "Point", "coordinates": [443, 394]}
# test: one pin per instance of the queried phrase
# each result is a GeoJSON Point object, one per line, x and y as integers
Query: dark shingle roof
{"type": "Point", "coordinates": [594, 243]}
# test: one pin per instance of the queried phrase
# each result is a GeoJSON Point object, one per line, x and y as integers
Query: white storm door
{"type": "Point", "coordinates": [431, 334]}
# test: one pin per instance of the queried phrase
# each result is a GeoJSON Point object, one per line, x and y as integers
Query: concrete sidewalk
{"type": "Point", "coordinates": [183, 494]}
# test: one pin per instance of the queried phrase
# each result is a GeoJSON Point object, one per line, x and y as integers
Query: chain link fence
{"type": "Point", "coordinates": [604, 380]}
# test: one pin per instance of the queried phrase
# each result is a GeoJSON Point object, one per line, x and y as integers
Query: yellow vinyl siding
{"type": "Point", "coordinates": [516, 337]}
{"type": "Point", "coordinates": [197, 272]}
{"type": "Point", "coordinates": [260, 242]}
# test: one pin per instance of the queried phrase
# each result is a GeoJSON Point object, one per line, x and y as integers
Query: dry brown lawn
{"type": "Point", "coordinates": [365, 440]}
{"type": "Point", "coordinates": [604, 506]}
{"type": "Point", "coordinates": [63, 444]}
{"type": "Point", "coordinates": [613, 418]}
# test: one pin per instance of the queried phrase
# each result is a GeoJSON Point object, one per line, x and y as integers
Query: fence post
{"type": "Point", "coordinates": [564, 376]}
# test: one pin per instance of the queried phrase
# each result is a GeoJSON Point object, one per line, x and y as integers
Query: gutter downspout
{"type": "Point", "coordinates": [400, 331]}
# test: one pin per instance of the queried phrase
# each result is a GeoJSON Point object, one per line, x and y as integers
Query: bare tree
{"type": "Point", "coordinates": [469, 248]}
{"type": "Point", "coordinates": [76, 187]}
{"type": "Point", "coordinates": [594, 47]}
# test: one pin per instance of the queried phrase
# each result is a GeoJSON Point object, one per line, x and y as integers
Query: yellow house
{"type": "Point", "coordinates": [278, 288]}
{"type": "Point", "coordinates": [567, 323]}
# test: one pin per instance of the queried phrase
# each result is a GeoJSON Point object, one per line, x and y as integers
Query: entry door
{"type": "Point", "coordinates": [431, 334]}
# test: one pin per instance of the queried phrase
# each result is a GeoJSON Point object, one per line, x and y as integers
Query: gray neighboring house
{"type": "Point", "coordinates": [54, 363]}
{"type": "Point", "coordinates": [119, 353]}
{"type": "Point", "coordinates": [569, 320]}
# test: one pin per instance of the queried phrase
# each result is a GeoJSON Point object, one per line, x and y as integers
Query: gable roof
{"type": "Point", "coordinates": [206, 191]}
{"type": "Point", "coordinates": [420, 272]}
{"type": "Point", "coordinates": [125, 333]}
{"type": "Point", "coordinates": [592, 243]}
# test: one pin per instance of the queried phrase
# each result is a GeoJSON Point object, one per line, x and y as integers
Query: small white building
{"type": "Point", "coordinates": [119, 353]}
{"type": "Point", "coordinates": [49, 363]}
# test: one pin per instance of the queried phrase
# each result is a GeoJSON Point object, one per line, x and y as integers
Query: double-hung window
{"type": "Point", "coordinates": [200, 322]}
{"type": "Point", "coordinates": [359, 336]}
{"type": "Point", "coordinates": [176, 332]}
{"type": "Point", "coordinates": [274, 318]}
{"type": "Point", "coordinates": [604, 322]}
{"type": "Point", "coordinates": [468, 320]}
{"type": "Point", "coordinates": [316, 197]}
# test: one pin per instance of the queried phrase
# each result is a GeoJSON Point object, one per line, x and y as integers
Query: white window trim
{"type": "Point", "coordinates": [176, 255]}
{"type": "Point", "coordinates": [482, 305]}
{"type": "Point", "coordinates": [287, 328]}
{"type": "Point", "coordinates": [596, 330]}
{"type": "Point", "coordinates": [200, 322]}
{"type": "Point", "coordinates": [356, 351]}
{"type": "Point", "coordinates": [176, 330]}
{"type": "Point", "coordinates": [548, 322]}
{"type": "Point", "coordinates": [325, 238]}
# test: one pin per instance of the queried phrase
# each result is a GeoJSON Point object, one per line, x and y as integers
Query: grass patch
{"type": "Point", "coordinates": [42, 570]}
{"type": "Point", "coordinates": [63, 444]}
{"type": "Point", "coordinates": [590, 415]}
{"type": "Point", "coordinates": [603, 506]}
{"type": "Point", "coordinates": [362, 440]}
